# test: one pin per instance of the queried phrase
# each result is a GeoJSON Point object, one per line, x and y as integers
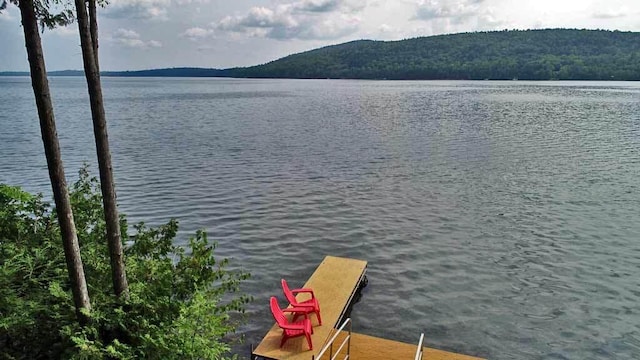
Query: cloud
{"type": "Point", "coordinates": [66, 31]}
{"type": "Point", "coordinates": [487, 20]}
{"type": "Point", "coordinates": [126, 34]}
{"type": "Point", "coordinates": [259, 17]}
{"type": "Point", "coordinates": [456, 11]}
{"type": "Point", "coordinates": [303, 19]}
{"type": "Point", "coordinates": [187, 2]}
{"type": "Point", "coordinates": [610, 14]}
{"type": "Point", "coordinates": [449, 16]}
{"type": "Point", "coordinates": [138, 9]}
{"type": "Point", "coordinates": [197, 33]}
{"type": "Point", "coordinates": [388, 32]}
{"type": "Point", "coordinates": [384, 28]}
{"type": "Point", "coordinates": [332, 28]}
{"type": "Point", "coordinates": [317, 5]}
{"type": "Point", "coordinates": [131, 39]}
{"type": "Point", "coordinates": [325, 6]}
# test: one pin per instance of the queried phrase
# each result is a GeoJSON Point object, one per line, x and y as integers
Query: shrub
{"type": "Point", "coordinates": [181, 299]}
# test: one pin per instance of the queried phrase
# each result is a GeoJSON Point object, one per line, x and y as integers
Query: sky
{"type": "Point", "coordinates": [146, 34]}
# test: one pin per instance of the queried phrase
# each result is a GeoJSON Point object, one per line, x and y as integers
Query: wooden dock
{"type": "Point", "coordinates": [374, 348]}
{"type": "Point", "coordinates": [335, 282]}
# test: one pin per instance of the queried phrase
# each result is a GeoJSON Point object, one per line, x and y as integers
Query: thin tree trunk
{"type": "Point", "coordinates": [93, 27]}
{"type": "Point", "coordinates": [40, 86]}
{"type": "Point", "coordinates": [92, 73]}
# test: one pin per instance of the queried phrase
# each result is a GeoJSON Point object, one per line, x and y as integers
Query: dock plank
{"type": "Point", "coordinates": [334, 283]}
{"type": "Point", "coordinates": [374, 348]}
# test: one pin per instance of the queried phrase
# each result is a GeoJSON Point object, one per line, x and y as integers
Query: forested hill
{"type": "Point", "coordinates": [553, 54]}
{"type": "Point", "coordinates": [561, 54]}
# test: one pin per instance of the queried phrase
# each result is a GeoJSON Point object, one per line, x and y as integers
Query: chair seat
{"type": "Point", "coordinates": [306, 327]}
{"type": "Point", "coordinates": [292, 328]}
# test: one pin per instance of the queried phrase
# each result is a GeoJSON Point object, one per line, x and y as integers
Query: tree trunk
{"type": "Point", "coordinates": [93, 28]}
{"type": "Point", "coordinates": [40, 86]}
{"type": "Point", "coordinates": [92, 73]}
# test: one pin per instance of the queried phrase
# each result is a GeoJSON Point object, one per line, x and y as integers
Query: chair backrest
{"type": "Point", "coordinates": [277, 313]}
{"type": "Point", "coordinates": [287, 293]}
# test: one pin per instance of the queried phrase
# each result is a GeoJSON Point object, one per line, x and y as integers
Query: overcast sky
{"type": "Point", "coordinates": [143, 34]}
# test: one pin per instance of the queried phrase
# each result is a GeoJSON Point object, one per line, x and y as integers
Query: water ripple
{"type": "Point", "coordinates": [500, 218]}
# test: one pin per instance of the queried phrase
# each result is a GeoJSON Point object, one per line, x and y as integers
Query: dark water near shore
{"type": "Point", "coordinates": [500, 218]}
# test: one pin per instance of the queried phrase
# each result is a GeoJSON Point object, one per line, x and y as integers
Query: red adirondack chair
{"type": "Point", "coordinates": [291, 329]}
{"type": "Point", "coordinates": [307, 306]}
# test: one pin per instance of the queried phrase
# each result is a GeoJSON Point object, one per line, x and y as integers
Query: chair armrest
{"type": "Point", "coordinates": [295, 291]}
{"type": "Point", "coordinates": [297, 309]}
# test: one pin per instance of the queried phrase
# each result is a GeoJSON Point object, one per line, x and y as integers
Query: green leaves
{"type": "Point", "coordinates": [181, 299]}
{"type": "Point", "coordinates": [46, 11]}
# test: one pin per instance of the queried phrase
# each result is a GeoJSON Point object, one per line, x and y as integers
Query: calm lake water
{"type": "Point", "coordinates": [502, 219]}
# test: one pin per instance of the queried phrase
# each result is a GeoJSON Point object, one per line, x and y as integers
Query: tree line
{"type": "Point", "coordinates": [550, 54]}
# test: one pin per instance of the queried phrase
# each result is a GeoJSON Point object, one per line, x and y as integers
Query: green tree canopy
{"type": "Point", "coordinates": [551, 54]}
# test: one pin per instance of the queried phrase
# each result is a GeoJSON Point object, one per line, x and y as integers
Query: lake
{"type": "Point", "coordinates": [499, 218]}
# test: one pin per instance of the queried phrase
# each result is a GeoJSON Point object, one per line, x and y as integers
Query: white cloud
{"type": "Point", "coordinates": [131, 39]}
{"type": "Point", "coordinates": [66, 31]}
{"type": "Point", "coordinates": [138, 9]}
{"type": "Point", "coordinates": [455, 10]}
{"type": "Point", "coordinates": [304, 19]}
{"type": "Point", "coordinates": [196, 33]}
{"type": "Point", "coordinates": [610, 13]}
{"type": "Point", "coordinates": [126, 34]}
{"type": "Point", "coordinates": [138, 44]}
{"type": "Point", "coordinates": [451, 16]}
{"type": "Point", "coordinates": [260, 17]}
{"type": "Point", "coordinates": [332, 28]}
{"type": "Point", "coordinates": [386, 32]}
{"type": "Point", "coordinates": [317, 5]}
{"type": "Point", "coordinates": [187, 2]}
{"type": "Point", "coordinates": [384, 28]}
{"type": "Point", "coordinates": [327, 6]}
{"type": "Point", "coordinates": [489, 21]}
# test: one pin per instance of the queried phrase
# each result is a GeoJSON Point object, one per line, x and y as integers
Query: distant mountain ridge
{"type": "Point", "coordinates": [549, 54]}
{"type": "Point", "coordinates": [168, 72]}
{"type": "Point", "coordinates": [552, 54]}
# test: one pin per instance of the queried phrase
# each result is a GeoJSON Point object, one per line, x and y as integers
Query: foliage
{"type": "Point", "coordinates": [50, 13]}
{"type": "Point", "coordinates": [551, 54]}
{"type": "Point", "coordinates": [182, 300]}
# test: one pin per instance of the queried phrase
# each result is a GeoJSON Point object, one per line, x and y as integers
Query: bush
{"type": "Point", "coordinates": [181, 300]}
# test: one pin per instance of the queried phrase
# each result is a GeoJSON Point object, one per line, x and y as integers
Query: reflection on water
{"type": "Point", "coordinates": [500, 218]}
